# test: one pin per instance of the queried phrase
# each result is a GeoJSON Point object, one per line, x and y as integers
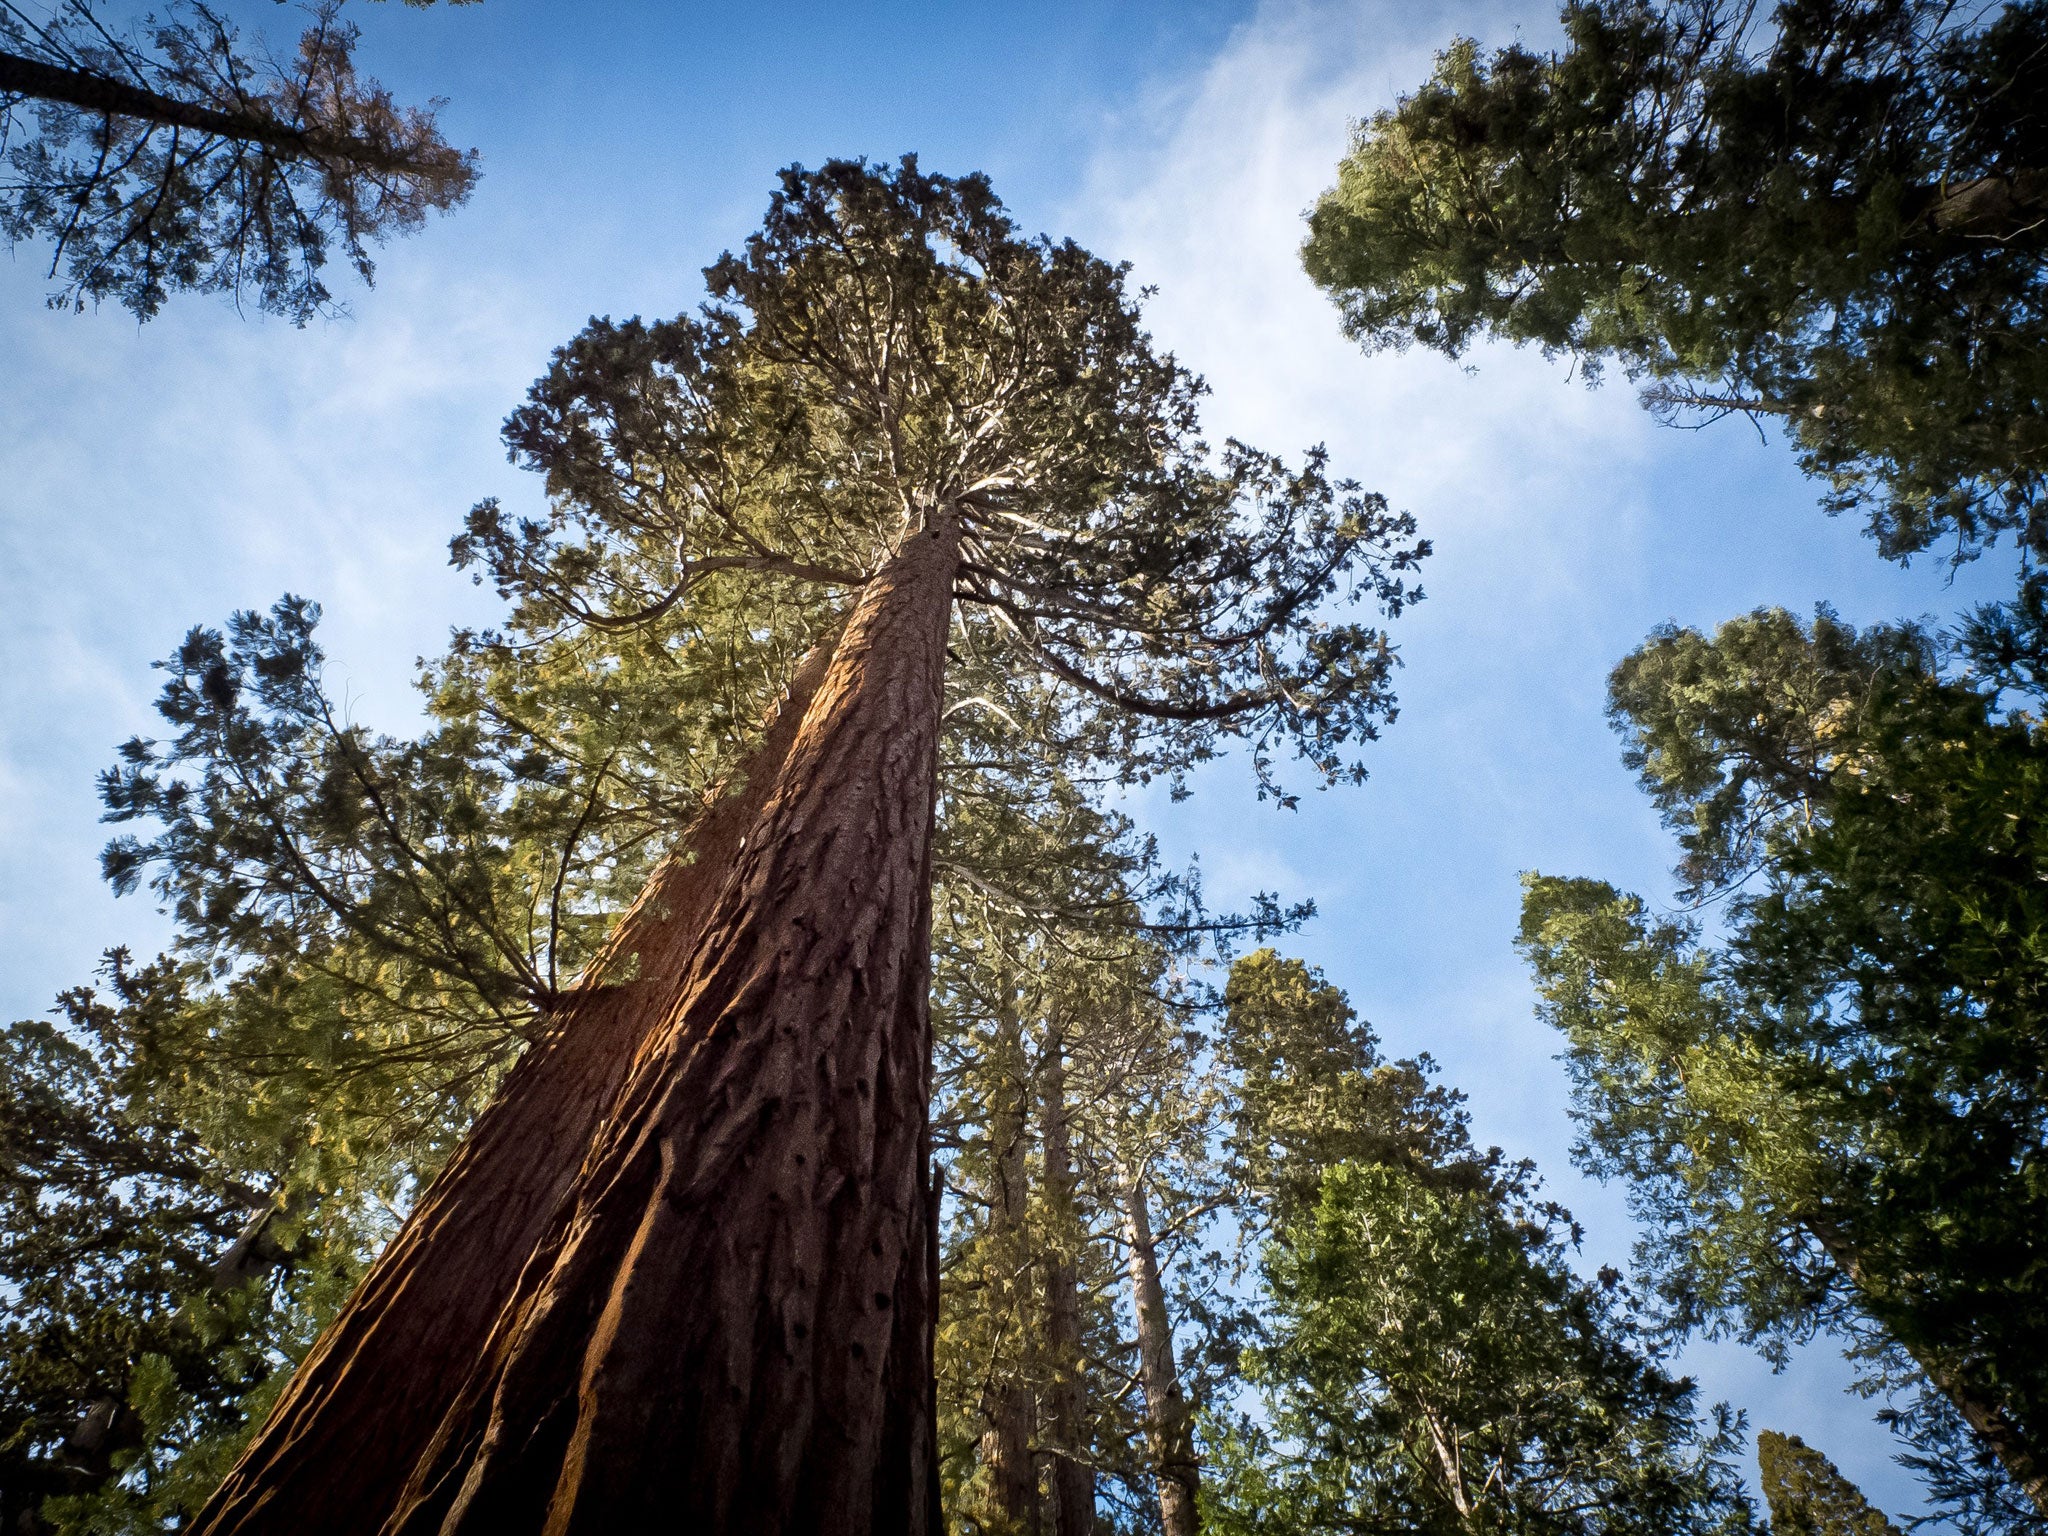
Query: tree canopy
{"type": "Point", "coordinates": [1829, 212]}
{"type": "Point", "coordinates": [1837, 1116]}
{"type": "Point", "coordinates": [1429, 1361]}
{"type": "Point", "coordinates": [889, 347]}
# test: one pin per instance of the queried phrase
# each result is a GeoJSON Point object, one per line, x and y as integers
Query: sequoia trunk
{"type": "Point", "coordinates": [729, 1326]}
{"type": "Point", "coordinates": [1073, 1478]}
{"type": "Point", "coordinates": [1010, 1400]}
{"type": "Point", "coordinates": [1166, 1405]}
{"type": "Point", "coordinates": [338, 1448]}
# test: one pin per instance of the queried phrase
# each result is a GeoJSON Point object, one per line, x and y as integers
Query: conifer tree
{"type": "Point", "coordinates": [1834, 1119]}
{"type": "Point", "coordinates": [1808, 1496]}
{"type": "Point", "coordinates": [894, 396]}
{"type": "Point", "coordinates": [1825, 213]}
{"type": "Point", "coordinates": [1431, 1362]}
{"type": "Point", "coordinates": [1060, 1013]}
{"type": "Point", "coordinates": [183, 159]}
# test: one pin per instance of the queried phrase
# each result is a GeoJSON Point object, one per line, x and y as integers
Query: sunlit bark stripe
{"type": "Point", "coordinates": [1167, 1418]}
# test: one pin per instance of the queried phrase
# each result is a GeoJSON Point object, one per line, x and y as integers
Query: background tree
{"type": "Point", "coordinates": [180, 158]}
{"type": "Point", "coordinates": [1808, 1496]}
{"type": "Point", "coordinates": [1063, 1032]}
{"type": "Point", "coordinates": [1835, 1118]}
{"type": "Point", "coordinates": [1431, 1363]}
{"type": "Point", "coordinates": [1830, 212]}
{"type": "Point", "coordinates": [148, 1288]}
{"type": "Point", "coordinates": [899, 396]}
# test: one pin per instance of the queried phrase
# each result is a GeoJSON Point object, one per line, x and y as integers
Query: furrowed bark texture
{"type": "Point", "coordinates": [1166, 1405]}
{"type": "Point", "coordinates": [341, 1443]}
{"type": "Point", "coordinates": [1009, 1402]}
{"type": "Point", "coordinates": [1073, 1479]}
{"type": "Point", "coordinates": [729, 1329]}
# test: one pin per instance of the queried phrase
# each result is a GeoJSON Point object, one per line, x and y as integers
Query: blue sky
{"type": "Point", "coordinates": [160, 476]}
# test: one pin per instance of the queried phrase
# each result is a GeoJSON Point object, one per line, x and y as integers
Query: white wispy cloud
{"type": "Point", "coordinates": [1566, 525]}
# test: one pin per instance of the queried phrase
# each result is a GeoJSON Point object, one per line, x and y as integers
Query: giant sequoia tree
{"type": "Point", "coordinates": [182, 158]}
{"type": "Point", "coordinates": [1833, 213]}
{"type": "Point", "coordinates": [722, 1314]}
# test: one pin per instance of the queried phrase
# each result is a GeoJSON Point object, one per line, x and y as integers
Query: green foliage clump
{"type": "Point", "coordinates": [1830, 212]}
{"type": "Point", "coordinates": [155, 1282]}
{"type": "Point", "coordinates": [1808, 1496]}
{"type": "Point", "coordinates": [1836, 1117]}
{"type": "Point", "coordinates": [1430, 1361]}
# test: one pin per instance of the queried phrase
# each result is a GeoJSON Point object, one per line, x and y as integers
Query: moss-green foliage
{"type": "Point", "coordinates": [888, 349]}
{"type": "Point", "coordinates": [1808, 1496]}
{"type": "Point", "coordinates": [153, 1281]}
{"type": "Point", "coordinates": [1827, 211]}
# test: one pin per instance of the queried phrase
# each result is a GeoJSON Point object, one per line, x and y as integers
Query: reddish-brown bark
{"type": "Point", "coordinates": [729, 1328]}
{"type": "Point", "coordinates": [338, 1448]}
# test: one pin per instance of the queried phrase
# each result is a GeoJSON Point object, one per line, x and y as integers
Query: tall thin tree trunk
{"type": "Point", "coordinates": [1167, 1420]}
{"type": "Point", "coordinates": [1010, 1402]}
{"type": "Point", "coordinates": [729, 1328]}
{"type": "Point", "coordinates": [2023, 1460]}
{"type": "Point", "coordinates": [1073, 1478]}
{"type": "Point", "coordinates": [337, 1449]}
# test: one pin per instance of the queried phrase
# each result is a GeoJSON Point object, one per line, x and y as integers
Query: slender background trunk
{"type": "Point", "coordinates": [1166, 1406]}
{"type": "Point", "coordinates": [1073, 1479]}
{"type": "Point", "coordinates": [341, 1443]}
{"type": "Point", "coordinates": [2023, 1461]}
{"type": "Point", "coordinates": [1010, 1401]}
{"type": "Point", "coordinates": [740, 1285]}
{"type": "Point", "coordinates": [93, 92]}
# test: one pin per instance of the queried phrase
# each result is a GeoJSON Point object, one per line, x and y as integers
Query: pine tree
{"type": "Point", "coordinates": [184, 160]}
